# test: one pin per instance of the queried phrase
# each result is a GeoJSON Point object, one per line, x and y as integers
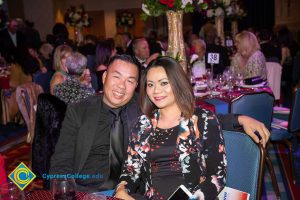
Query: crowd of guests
{"type": "Point", "coordinates": [165, 141]}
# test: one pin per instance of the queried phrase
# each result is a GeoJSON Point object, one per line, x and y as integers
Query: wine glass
{"type": "Point", "coordinates": [211, 84]}
{"type": "Point", "coordinates": [9, 191]}
{"type": "Point", "coordinates": [239, 80]}
{"type": "Point", "coordinates": [95, 196]}
{"type": "Point", "coordinates": [63, 189]}
{"type": "Point", "coordinates": [209, 74]}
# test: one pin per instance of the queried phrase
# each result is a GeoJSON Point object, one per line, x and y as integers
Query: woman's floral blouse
{"type": "Point", "coordinates": [255, 66]}
{"type": "Point", "coordinates": [200, 145]}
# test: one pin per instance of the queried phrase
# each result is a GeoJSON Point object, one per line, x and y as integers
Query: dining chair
{"type": "Point", "coordinates": [260, 107]}
{"type": "Point", "coordinates": [49, 116]}
{"type": "Point", "coordinates": [26, 96]}
{"type": "Point", "coordinates": [274, 71]}
{"type": "Point", "coordinates": [285, 135]}
{"type": "Point", "coordinates": [247, 175]}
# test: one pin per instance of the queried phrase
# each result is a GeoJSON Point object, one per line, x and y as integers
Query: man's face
{"type": "Point", "coordinates": [199, 50]}
{"type": "Point", "coordinates": [13, 26]}
{"type": "Point", "coordinates": [142, 51]}
{"type": "Point", "coordinates": [119, 83]}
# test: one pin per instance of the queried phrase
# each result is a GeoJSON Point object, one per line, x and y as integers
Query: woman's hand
{"type": "Point", "coordinates": [86, 78]}
{"type": "Point", "coordinates": [251, 126]}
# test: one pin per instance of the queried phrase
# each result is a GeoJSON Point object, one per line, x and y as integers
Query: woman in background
{"type": "Point", "coordinates": [104, 52]}
{"type": "Point", "coordinates": [60, 55]}
{"type": "Point", "coordinates": [72, 90]}
{"type": "Point", "coordinates": [171, 144]}
{"type": "Point", "coordinates": [249, 60]}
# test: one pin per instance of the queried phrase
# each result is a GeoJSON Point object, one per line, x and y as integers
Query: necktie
{"type": "Point", "coordinates": [115, 151]}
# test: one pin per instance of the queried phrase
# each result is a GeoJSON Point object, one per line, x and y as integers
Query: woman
{"type": "Point", "coordinates": [72, 90]}
{"type": "Point", "coordinates": [59, 59]}
{"type": "Point", "coordinates": [249, 60]}
{"type": "Point", "coordinates": [104, 52]}
{"type": "Point", "coordinates": [170, 144]}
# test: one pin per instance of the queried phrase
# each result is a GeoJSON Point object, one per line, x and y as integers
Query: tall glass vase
{"type": "Point", "coordinates": [219, 23]}
{"type": "Point", "coordinates": [234, 27]}
{"type": "Point", "coordinates": [175, 37]}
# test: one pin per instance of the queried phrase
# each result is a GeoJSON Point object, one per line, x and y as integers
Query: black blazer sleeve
{"type": "Point", "coordinates": [229, 122]}
{"type": "Point", "coordinates": [62, 161]}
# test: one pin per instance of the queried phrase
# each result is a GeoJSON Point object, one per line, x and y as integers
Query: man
{"type": "Point", "coordinates": [198, 58]}
{"type": "Point", "coordinates": [84, 144]}
{"type": "Point", "coordinates": [11, 40]}
{"type": "Point", "coordinates": [141, 53]}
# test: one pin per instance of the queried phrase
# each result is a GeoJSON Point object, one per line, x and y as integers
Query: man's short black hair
{"type": "Point", "coordinates": [123, 57]}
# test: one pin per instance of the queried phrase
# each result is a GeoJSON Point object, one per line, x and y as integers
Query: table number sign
{"type": "Point", "coordinates": [213, 58]}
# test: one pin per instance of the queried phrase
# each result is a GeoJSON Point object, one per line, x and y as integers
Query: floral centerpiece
{"type": "Point", "coordinates": [77, 17]}
{"type": "Point", "coordinates": [125, 19]}
{"type": "Point", "coordinates": [232, 9]}
{"type": "Point", "coordinates": [158, 7]}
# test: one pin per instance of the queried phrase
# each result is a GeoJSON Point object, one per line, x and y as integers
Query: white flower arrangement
{"type": "Point", "coordinates": [77, 17]}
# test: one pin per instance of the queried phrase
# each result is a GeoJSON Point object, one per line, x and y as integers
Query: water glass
{"type": "Point", "coordinates": [239, 80]}
{"type": "Point", "coordinates": [95, 196]}
{"type": "Point", "coordinates": [211, 84]}
{"type": "Point", "coordinates": [64, 189]}
{"type": "Point", "coordinates": [9, 191]}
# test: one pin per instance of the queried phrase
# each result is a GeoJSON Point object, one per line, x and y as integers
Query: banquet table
{"type": "Point", "coordinates": [220, 103]}
{"type": "Point", "coordinates": [47, 195]}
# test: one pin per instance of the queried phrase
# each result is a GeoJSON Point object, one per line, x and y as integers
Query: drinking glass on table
{"type": "Point", "coordinates": [239, 80]}
{"type": "Point", "coordinates": [10, 191]}
{"type": "Point", "coordinates": [211, 84]}
{"type": "Point", "coordinates": [64, 189]}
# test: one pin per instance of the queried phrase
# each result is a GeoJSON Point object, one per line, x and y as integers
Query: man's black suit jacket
{"type": "Point", "coordinates": [7, 48]}
{"type": "Point", "coordinates": [79, 130]}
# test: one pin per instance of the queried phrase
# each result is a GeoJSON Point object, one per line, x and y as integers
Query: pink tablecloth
{"type": "Point", "coordinates": [47, 195]}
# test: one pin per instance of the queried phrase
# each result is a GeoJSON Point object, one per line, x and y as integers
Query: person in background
{"type": "Point", "coordinates": [249, 60]}
{"type": "Point", "coordinates": [11, 39]}
{"type": "Point", "coordinates": [141, 53]}
{"type": "Point", "coordinates": [89, 46]}
{"type": "Point", "coordinates": [104, 52]}
{"type": "Point", "coordinates": [72, 90]}
{"type": "Point", "coordinates": [197, 61]}
{"type": "Point", "coordinates": [59, 59]}
{"type": "Point", "coordinates": [270, 51]}
{"type": "Point", "coordinates": [46, 51]}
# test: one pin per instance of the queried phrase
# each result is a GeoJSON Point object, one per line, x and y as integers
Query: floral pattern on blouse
{"type": "Point", "coordinates": [200, 145]}
{"type": "Point", "coordinates": [255, 66]}
{"type": "Point", "coordinates": [72, 91]}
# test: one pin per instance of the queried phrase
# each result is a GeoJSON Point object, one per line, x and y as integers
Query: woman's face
{"type": "Point", "coordinates": [63, 61]}
{"type": "Point", "coordinates": [159, 89]}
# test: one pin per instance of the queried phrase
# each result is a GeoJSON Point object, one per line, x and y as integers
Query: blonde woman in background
{"type": "Point", "coordinates": [249, 60]}
{"type": "Point", "coordinates": [59, 60]}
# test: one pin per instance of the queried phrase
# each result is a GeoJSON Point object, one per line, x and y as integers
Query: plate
{"type": "Point", "coordinates": [200, 86]}
{"type": "Point", "coordinates": [200, 94]}
{"type": "Point", "coordinates": [254, 86]}
{"type": "Point", "coordinates": [281, 110]}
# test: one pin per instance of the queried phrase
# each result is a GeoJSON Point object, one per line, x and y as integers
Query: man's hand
{"type": "Point", "coordinates": [251, 125]}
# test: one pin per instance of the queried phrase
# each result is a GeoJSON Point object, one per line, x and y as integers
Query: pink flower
{"type": "Point", "coordinates": [169, 3]}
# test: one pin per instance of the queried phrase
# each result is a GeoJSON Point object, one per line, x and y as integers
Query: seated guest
{"type": "Point", "coordinates": [249, 60]}
{"type": "Point", "coordinates": [88, 132]}
{"type": "Point", "coordinates": [72, 90]}
{"type": "Point", "coordinates": [59, 59]}
{"type": "Point", "coordinates": [270, 51]}
{"type": "Point", "coordinates": [198, 58]}
{"type": "Point", "coordinates": [172, 143]}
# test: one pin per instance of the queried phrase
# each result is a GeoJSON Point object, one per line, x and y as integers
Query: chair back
{"type": "Point", "coordinates": [26, 96]}
{"type": "Point", "coordinates": [294, 117]}
{"type": "Point", "coordinates": [49, 116]}
{"type": "Point", "coordinates": [256, 105]}
{"type": "Point", "coordinates": [274, 71]}
{"type": "Point", "coordinates": [245, 161]}
{"type": "Point", "coordinates": [296, 68]}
